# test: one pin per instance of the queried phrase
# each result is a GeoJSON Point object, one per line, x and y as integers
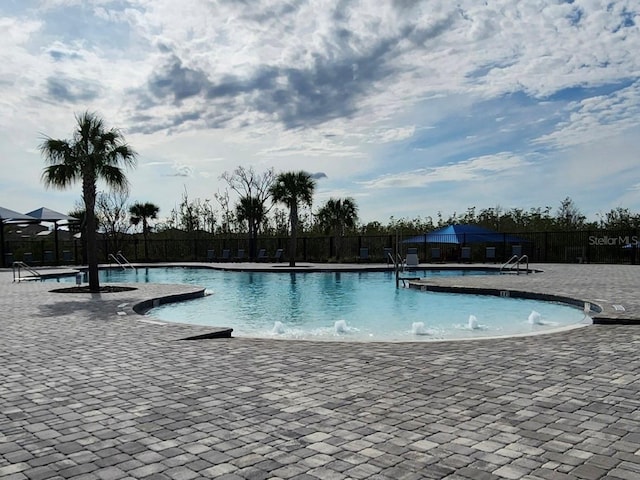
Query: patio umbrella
{"type": "Point", "coordinates": [463, 234]}
{"type": "Point", "coordinates": [11, 216]}
{"type": "Point", "coordinates": [44, 214]}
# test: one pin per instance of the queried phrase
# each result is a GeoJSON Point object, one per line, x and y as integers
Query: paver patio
{"type": "Point", "coordinates": [91, 390]}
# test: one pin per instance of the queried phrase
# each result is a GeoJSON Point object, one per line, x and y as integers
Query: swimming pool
{"type": "Point", "coordinates": [345, 306]}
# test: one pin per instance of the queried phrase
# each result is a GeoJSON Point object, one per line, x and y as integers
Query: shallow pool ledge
{"type": "Point", "coordinates": [146, 305]}
{"type": "Point", "coordinates": [143, 307]}
{"type": "Point", "coordinates": [509, 293]}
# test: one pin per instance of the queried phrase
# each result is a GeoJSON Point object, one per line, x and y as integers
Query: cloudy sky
{"type": "Point", "coordinates": [410, 107]}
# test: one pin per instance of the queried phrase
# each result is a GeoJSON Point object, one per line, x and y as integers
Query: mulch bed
{"type": "Point", "coordinates": [85, 289]}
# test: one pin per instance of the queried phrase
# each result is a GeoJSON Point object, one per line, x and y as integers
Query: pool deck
{"type": "Point", "coordinates": [92, 390]}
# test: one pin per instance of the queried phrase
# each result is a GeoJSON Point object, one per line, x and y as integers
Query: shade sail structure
{"type": "Point", "coordinates": [463, 234]}
{"type": "Point", "coordinates": [7, 216]}
{"type": "Point", "coordinates": [11, 216]}
{"type": "Point", "coordinates": [44, 214]}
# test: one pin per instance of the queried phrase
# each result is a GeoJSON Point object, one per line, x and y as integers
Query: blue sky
{"type": "Point", "coordinates": [410, 107]}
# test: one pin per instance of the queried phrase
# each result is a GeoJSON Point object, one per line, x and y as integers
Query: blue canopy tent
{"type": "Point", "coordinates": [459, 236]}
{"type": "Point", "coordinates": [463, 234]}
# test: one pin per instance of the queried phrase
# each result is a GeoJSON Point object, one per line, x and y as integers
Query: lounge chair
{"type": "Point", "coordinates": [67, 257]}
{"type": "Point", "coordinates": [226, 255]}
{"type": "Point", "coordinates": [364, 255]}
{"type": "Point", "coordinates": [465, 254]}
{"type": "Point", "coordinates": [435, 254]}
{"type": "Point", "coordinates": [211, 255]}
{"type": "Point", "coordinates": [490, 254]}
{"type": "Point", "coordinates": [262, 255]}
{"type": "Point", "coordinates": [412, 258]}
{"type": "Point", "coordinates": [240, 256]}
{"type": "Point", "coordinates": [278, 256]}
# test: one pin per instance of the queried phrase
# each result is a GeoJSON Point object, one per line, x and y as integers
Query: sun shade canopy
{"type": "Point", "coordinates": [7, 215]}
{"type": "Point", "coordinates": [47, 215]}
{"type": "Point", "coordinates": [462, 234]}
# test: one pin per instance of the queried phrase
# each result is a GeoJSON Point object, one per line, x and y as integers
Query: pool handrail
{"type": "Point", "coordinates": [18, 265]}
{"type": "Point", "coordinates": [514, 262]}
{"type": "Point", "coordinates": [121, 260]}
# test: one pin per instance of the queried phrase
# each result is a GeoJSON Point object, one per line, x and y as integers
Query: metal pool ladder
{"type": "Point", "coordinates": [513, 265]}
{"type": "Point", "coordinates": [18, 266]}
{"type": "Point", "coordinates": [399, 266]}
{"type": "Point", "coordinates": [121, 260]}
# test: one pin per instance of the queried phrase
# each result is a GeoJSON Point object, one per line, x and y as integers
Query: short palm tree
{"type": "Point", "coordinates": [143, 212]}
{"type": "Point", "coordinates": [252, 211]}
{"type": "Point", "coordinates": [93, 153]}
{"type": "Point", "coordinates": [293, 189]}
{"type": "Point", "coordinates": [336, 216]}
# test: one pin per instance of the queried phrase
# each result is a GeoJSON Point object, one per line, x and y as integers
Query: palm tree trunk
{"type": "Point", "coordinates": [144, 237]}
{"type": "Point", "coordinates": [294, 235]}
{"type": "Point", "coordinates": [251, 238]}
{"type": "Point", "coordinates": [89, 194]}
{"type": "Point", "coordinates": [253, 241]}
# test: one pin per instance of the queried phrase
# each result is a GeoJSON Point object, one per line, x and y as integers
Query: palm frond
{"type": "Point", "coordinates": [60, 176]}
{"type": "Point", "coordinates": [114, 177]}
{"type": "Point", "coordinates": [55, 151]}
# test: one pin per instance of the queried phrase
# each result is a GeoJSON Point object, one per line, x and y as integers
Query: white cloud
{"type": "Point", "coordinates": [359, 90]}
{"type": "Point", "coordinates": [597, 118]}
{"type": "Point", "coordinates": [474, 169]}
{"type": "Point", "coordinates": [393, 134]}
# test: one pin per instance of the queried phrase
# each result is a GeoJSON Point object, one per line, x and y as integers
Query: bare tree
{"type": "Point", "coordinates": [224, 201]}
{"type": "Point", "coordinates": [112, 214]}
{"type": "Point", "coordinates": [254, 191]}
{"type": "Point", "coordinates": [208, 214]}
{"type": "Point", "coordinates": [187, 215]}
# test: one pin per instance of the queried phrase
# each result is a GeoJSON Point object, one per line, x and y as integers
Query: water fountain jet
{"type": "Point", "coordinates": [535, 318]}
{"type": "Point", "coordinates": [341, 327]}
{"type": "Point", "coordinates": [417, 328]}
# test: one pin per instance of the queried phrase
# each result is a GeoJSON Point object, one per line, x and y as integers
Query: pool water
{"type": "Point", "coordinates": [350, 306]}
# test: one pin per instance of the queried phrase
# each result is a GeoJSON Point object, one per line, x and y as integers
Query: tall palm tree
{"type": "Point", "coordinates": [293, 189]}
{"type": "Point", "coordinates": [93, 153]}
{"type": "Point", "coordinates": [143, 212]}
{"type": "Point", "coordinates": [336, 216]}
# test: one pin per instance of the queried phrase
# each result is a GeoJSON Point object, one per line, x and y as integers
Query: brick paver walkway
{"type": "Point", "coordinates": [90, 390]}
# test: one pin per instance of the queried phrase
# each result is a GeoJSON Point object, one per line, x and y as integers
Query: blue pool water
{"type": "Point", "coordinates": [351, 306]}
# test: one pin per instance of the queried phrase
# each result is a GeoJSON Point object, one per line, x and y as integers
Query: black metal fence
{"type": "Point", "coordinates": [593, 246]}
